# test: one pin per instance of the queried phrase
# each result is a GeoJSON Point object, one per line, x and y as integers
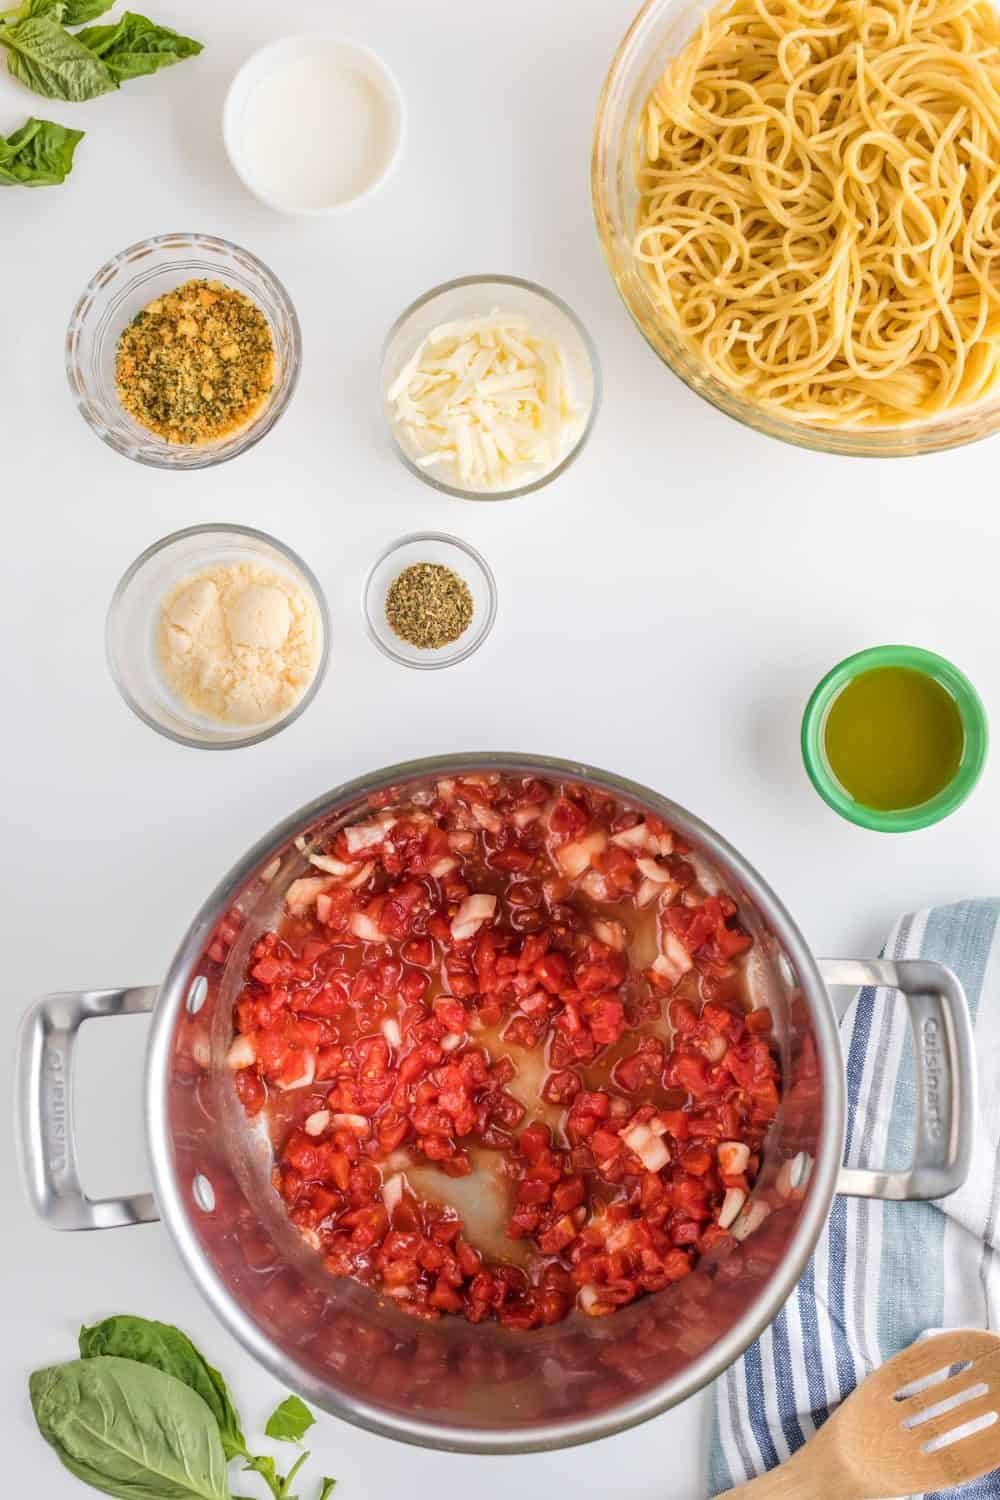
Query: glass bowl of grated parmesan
{"type": "Point", "coordinates": [218, 636]}
{"type": "Point", "coordinates": [491, 387]}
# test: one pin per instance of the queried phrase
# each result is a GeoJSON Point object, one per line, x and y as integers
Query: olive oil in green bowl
{"type": "Point", "coordinates": [894, 738]}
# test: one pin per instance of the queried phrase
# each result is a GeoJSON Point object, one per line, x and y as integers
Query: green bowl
{"type": "Point", "coordinates": [973, 716]}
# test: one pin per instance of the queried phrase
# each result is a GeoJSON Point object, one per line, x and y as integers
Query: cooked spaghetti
{"type": "Point", "coordinates": [819, 214]}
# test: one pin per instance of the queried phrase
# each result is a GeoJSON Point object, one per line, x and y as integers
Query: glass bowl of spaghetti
{"type": "Point", "coordinates": [800, 207]}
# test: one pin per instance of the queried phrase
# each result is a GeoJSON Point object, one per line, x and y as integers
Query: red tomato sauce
{"type": "Point", "coordinates": [508, 1060]}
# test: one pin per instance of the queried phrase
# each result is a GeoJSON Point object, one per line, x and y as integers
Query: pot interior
{"type": "Point", "coordinates": [449, 1383]}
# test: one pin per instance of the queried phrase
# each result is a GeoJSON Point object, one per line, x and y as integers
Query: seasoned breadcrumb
{"type": "Point", "coordinates": [196, 364]}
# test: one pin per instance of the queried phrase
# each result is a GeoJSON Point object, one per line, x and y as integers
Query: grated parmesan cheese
{"type": "Point", "coordinates": [489, 399]}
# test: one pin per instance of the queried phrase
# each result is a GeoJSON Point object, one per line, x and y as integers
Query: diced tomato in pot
{"type": "Point", "coordinates": [441, 949]}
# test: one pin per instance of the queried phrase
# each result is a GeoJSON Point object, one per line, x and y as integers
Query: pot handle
{"type": "Point", "coordinates": [945, 1077]}
{"type": "Point", "coordinates": [44, 1085]}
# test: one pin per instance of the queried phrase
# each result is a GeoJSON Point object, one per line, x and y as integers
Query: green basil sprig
{"type": "Point", "coordinates": [143, 1415]}
{"type": "Point", "coordinates": [85, 64]}
{"type": "Point", "coordinates": [40, 154]}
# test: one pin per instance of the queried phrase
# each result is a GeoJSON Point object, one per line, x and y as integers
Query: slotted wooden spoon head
{"type": "Point", "coordinates": [928, 1419]}
{"type": "Point", "coordinates": [903, 1427]}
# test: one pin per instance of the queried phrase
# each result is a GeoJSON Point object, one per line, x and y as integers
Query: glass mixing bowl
{"type": "Point", "coordinates": [658, 32]}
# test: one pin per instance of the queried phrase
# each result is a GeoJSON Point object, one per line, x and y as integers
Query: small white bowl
{"type": "Point", "coordinates": [262, 67]}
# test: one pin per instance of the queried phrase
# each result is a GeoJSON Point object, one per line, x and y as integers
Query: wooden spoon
{"type": "Point", "coordinates": [875, 1444]}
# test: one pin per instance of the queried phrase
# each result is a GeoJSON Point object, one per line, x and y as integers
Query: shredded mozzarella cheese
{"type": "Point", "coordinates": [488, 397]}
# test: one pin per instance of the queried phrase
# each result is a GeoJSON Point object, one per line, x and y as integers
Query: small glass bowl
{"type": "Point", "coordinates": [133, 623]}
{"type": "Point", "coordinates": [430, 547]}
{"type": "Point", "coordinates": [124, 287]}
{"type": "Point", "coordinates": [472, 297]}
{"type": "Point", "coordinates": [974, 724]}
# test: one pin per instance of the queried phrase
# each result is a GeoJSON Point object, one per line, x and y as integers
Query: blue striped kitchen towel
{"type": "Point", "coordinates": [882, 1274]}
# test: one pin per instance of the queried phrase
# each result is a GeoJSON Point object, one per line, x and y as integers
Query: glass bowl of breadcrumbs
{"type": "Point", "coordinates": [183, 351]}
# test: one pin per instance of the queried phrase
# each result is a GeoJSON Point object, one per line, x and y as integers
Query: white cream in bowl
{"type": "Point", "coordinates": [313, 123]}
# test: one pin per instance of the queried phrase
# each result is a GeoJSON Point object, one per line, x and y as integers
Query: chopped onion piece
{"type": "Point", "coordinates": [242, 1054]}
{"type": "Point", "coordinates": [473, 912]}
{"type": "Point", "coordinates": [451, 1041]}
{"type": "Point", "coordinates": [751, 1220]}
{"type": "Point", "coordinates": [365, 927]}
{"type": "Point", "coordinates": [638, 1138]}
{"type": "Point", "coordinates": [734, 1156]}
{"type": "Point", "coordinates": [356, 1123]}
{"type": "Point", "coordinates": [392, 1193]}
{"type": "Point", "coordinates": [366, 835]}
{"type": "Point", "coordinates": [576, 856]}
{"type": "Point", "coordinates": [487, 818]}
{"type": "Point", "coordinates": [302, 894]}
{"type": "Point", "coordinates": [443, 866]}
{"type": "Point", "coordinates": [330, 865]}
{"type": "Point", "coordinates": [654, 1155]}
{"type": "Point", "coordinates": [317, 1122]}
{"type": "Point", "coordinates": [793, 1175]}
{"type": "Point", "coordinates": [643, 837]}
{"type": "Point", "coordinates": [391, 1032]}
{"type": "Point", "coordinates": [675, 961]}
{"type": "Point", "coordinates": [588, 1298]}
{"type": "Point", "coordinates": [611, 934]}
{"type": "Point", "coordinates": [654, 871]}
{"type": "Point", "coordinates": [731, 1205]}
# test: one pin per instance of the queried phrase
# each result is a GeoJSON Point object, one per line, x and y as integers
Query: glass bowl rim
{"type": "Point", "coordinates": [974, 723]}
{"type": "Point", "coordinates": [231, 529]}
{"type": "Point", "coordinates": [523, 284]}
{"type": "Point", "coordinates": [956, 428]}
{"type": "Point", "coordinates": [251, 436]}
{"type": "Point", "coordinates": [491, 590]}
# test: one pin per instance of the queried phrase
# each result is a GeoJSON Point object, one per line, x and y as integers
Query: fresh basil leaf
{"type": "Point", "coordinates": [326, 1490]}
{"type": "Point", "coordinates": [66, 12]}
{"type": "Point", "coordinates": [136, 46]}
{"type": "Point", "coordinates": [50, 61]}
{"type": "Point", "coordinates": [54, 8]}
{"type": "Point", "coordinates": [40, 154]}
{"type": "Point", "coordinates": [165, 1348]}
{"type": "Point", "coordinates": [130, 1430]}
{"type": "Point", "coordinates": [290, 1421]}
{"type": "Point", "coordinates": [79, 12]}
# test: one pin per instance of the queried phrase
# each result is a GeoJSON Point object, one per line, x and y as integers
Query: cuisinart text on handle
{"type": "Point", "coordinates": [933, 1077]}
{"type": "Point", "coordinates": [54, 1123]}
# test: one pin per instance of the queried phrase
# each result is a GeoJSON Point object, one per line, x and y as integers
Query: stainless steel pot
{"type": "Point", "coordinates": [448, 1384]}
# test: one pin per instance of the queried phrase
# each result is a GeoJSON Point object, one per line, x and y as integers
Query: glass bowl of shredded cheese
{"type": "Point", "coordinates": [183, 351]}
{"type": "Point", "coordinates": [218, 636]}
{"type": "Point", "coordinates": [491, 387]}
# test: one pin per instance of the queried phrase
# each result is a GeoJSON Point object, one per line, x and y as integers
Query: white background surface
{"type": "Point", "coordinates": [665, 610]}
